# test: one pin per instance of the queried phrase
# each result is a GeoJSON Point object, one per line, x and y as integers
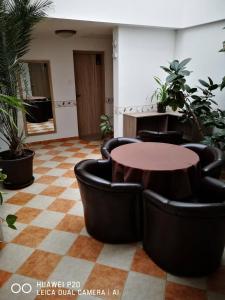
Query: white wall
{"type": "Point", "coordinates": [60, 53]}
{"type": "Point", "coordinates": [196, 12]}
{"type": "Point", "coordinates": [160, 13]}
{"type": "Point", "coordinates": [202, 44]}
{"type": "Point", "coordinates": [140, 54]}
{"type": "Point", "coordinates": [142, 12]}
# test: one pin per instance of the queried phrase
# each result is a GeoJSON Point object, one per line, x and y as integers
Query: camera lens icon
{"type": "Point", "coordinates": [17, 288]}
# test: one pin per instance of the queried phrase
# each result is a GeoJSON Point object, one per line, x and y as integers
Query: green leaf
{"type": "Point", "coordinates": [213, 87]}
{"type": "Point", "coordinates": [184, 62]}
{"type": "Point", "coordinates": [12, 226]}
{"type": "Point", "coordinates": [157, 79]}
{"type": "Point", "coordinates": [1, 198]}
{"type": "Point", "coordinates": [166, 69]}
{"type": "Point", "coordinates": [2, 176]}
{"type": "Point", "coordinates": [193, 90]}
{"type": "Point", "coordinates": [222, 85]}
{"type": "Point", "coordinates": [171, 77]}
{"type": "Point", "coordinates": [184, 73]}
{"type": "Point", "coordinates": [210, 81]}
{"type": "Point", "coordinates": [11, 219]}
{"type": "Point", "coordinates": [174, 65]}
{"type": "Point", "coordinates": [187, 88]}
{"type": "Point", "coordinates": [204, 83]}
{"type": "Point", "coordinates": [195, 97]}
{"type": "Point", "coordinates": [104, 117]}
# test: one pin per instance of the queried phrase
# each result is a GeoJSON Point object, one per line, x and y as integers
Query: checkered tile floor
{"type": "Point", "coordinates": [40, 127]}
{"type": "Point", "coordinates": [51, 243]}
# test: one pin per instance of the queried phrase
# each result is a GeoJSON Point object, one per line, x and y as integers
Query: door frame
{"type": "Point", "coordinates": [48, 62]}
{"type": "Point", "coordinates": [102, 103]}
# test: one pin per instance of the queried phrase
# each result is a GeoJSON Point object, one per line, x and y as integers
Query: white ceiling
{"type": "Point", "coordinates": [84, 28]}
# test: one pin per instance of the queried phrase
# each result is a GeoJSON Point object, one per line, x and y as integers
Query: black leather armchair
{"type": "Point", "coordinates": [171, 137]}
{"type": "Point", "coordinates": [211, 159]}
{"type": "Point", "coordinates": [186, 239]}
{"type": "Point", "coordinates": [112, 211]}
{"type": "Point", "coordinates": [116, 142]}
{"type": "Point", "coordinates": [38, 110]}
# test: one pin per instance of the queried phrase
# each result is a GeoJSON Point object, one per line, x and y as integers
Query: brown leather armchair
{"type": "Point", "coordinates": [211, 158]}
{"type": "Point", "coordinates": [116, 142]}
{"type": "Point", "coordinates": [186, 239]}
{"type": "Point", "coordinates": [171, 137]}
{"type": "Point", "coordinates": [112, 211]}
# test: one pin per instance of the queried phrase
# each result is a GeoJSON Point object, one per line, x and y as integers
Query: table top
{"type": "Point", "coordinates": [154, 156]}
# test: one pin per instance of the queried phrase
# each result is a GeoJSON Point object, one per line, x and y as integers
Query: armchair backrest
{"type": "Point", "coordinates": [206, 153]}
{"type": "Point", "coordinates": [209, 201]}
{"type": "Point", "coordinates": [211, 158]}
{"type": "Point", "coordinates": [172, 137]}
{"type": "Point", "coordinates": [94, 172]}
{"type": "Point", "coordinates": [116, 142]}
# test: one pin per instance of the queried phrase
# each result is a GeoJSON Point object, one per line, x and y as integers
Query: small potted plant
{"type": "Point", "coordinates": [10, 219]}
{"type": "Point", "coordinates": [160, 95]}
{"type": "Point", "coordinates": [106, 127]}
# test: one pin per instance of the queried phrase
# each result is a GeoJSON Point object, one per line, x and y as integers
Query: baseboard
{"type": "Point", "coordinates": [54, 140]}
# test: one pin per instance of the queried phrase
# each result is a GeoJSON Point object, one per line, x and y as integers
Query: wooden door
{"type": "Point", "coordinates": [39, 79]}
{"type": "Point", "coordinates": [90, 93]}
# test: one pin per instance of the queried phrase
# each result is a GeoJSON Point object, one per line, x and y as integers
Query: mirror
{"type": "Point", "coordinates": [36, 90]}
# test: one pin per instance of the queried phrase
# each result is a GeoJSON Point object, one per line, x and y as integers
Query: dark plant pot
{"type": "Point", "coordinates": [107, 138]}
{"type": "Point", "coordinates": [161, 108]}
{"type": "Point", "coordinates": [196, 136]}
{"type": "Point", "coordinates": [19, 171]}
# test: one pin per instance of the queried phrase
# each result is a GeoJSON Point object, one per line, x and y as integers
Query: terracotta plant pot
{"type": "Point", "coordinates": [19, 171]}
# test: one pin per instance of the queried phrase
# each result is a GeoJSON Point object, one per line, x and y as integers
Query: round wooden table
{"type": "Point", "coordinates": [171, 170]}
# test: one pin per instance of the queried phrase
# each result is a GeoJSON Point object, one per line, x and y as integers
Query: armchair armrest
{"type": "Point", "coordinates": [212, 190]}
{"type": "Point", "coordinates": [213, 168]}
{"type": "Point", "coordinates": [126, 187]}
{"type": "Point", "coordinates": [155, 198]}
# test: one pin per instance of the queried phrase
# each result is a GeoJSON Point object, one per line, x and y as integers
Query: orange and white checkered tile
{"type": "Point", "coordinates": [35, 128]}
{"type": "Point", "coordinates": [51, 243]}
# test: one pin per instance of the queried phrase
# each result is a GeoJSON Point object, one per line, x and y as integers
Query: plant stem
{"type": "Point", "coordinates": [195, 119]}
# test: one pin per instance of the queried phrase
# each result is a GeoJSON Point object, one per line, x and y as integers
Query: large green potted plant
{"type": "Point", "coordinates": [195, 104]}
{"type": "Point", "coordinates": [17, 20]}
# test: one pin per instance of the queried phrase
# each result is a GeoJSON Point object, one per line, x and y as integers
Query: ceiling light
{"type": "Point", "coordinates": [65, 33]}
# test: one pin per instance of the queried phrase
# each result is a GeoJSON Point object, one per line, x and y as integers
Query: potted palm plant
{"type": "Point", "coordinates": [160, 94]}
{"type": "Point", "coordinates": [17, 20]}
